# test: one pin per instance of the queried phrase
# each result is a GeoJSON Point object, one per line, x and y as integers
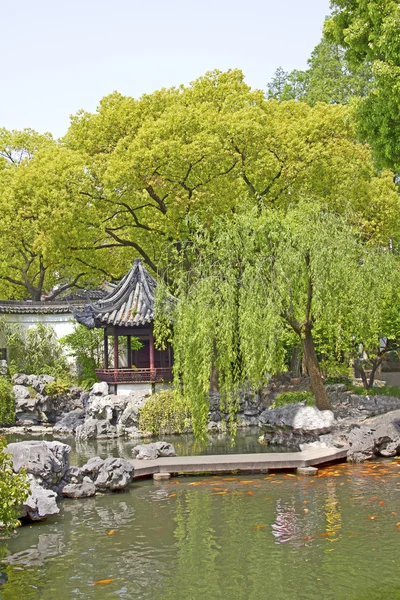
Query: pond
{"type": "Point", "coordinates": [245, 442]}
{"type": "Point", "coordinates": [282, 537]}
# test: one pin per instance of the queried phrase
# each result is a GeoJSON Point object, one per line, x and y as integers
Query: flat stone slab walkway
{"type": "Point", "coordinates": [223, 463]}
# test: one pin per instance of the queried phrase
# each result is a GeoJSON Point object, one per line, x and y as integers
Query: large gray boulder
{"type": "Point", "coordinates": [300, 417]}
{"type": "Point", "coordinates": [99, 389]}
{"type": "Point", "coordinates": [40, 504]}
{"type": "Point", "coordinates": [377, 436]}
{"type": "Point", "coordinates": [21, 393]}
{"type": "Point", "coordinates": [20, 379]}
{"type": "Point", "coordinates": [84, 489]}
{"type": "Point", "coordinates": [68, 424]}
{"type": "Point", "coordinates": [46, 461]}
{"type": "Point", "coordinates": [111, 474]}
{"type": "Point", "coordinates": [295, 424]}
{"type": "Point", "coordinates": [110, 415]}
{"type": "Point", "coordinates": [153, 451]}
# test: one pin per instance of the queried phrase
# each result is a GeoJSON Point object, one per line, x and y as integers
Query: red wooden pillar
{"type": "Point", "coordinates": [105, 349]}
{"type": "Point", "coordinates": [116, 351]}
{"type": "Point", "coordinates": [151, 352]}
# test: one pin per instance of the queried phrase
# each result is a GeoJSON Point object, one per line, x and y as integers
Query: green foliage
{"type": "Point", "coordinates": [294, 398]}
{"type": "Point", "coordinates": [41, 203]}
{"type": "Point", "coordinates": [164, 413]}
{"type": "Point", "coordinates": [334, 369]}
{"type": "Point", "coordinates": [329, 78]}
{"type": "Point", "coordinates": [385, 390]}
{"type": "Point", "coordinates": [14, 489]}
{"type": "Point", "coordinates": [260, 274]}
{"type": "Point", "coordinates": [34, 351]}
{"type": "Point", "coordinates": [168, 162]}
{"type": "Point", "coordinates": [7, 402]}
{"type": "Point", "coordinates": [87, 347]}
{"type": "Point", "coordinates": [338, 379]}
{"type": "Point", "coordinates": [57, 387]}
{"type": "Point", "coordinates": [369, 31]}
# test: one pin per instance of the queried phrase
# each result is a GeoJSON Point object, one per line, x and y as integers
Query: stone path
{"type": "Point", "coordinates": [223, 463]}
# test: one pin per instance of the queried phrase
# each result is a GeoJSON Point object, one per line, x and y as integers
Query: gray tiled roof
{"type": "Point", "coordinates": [130, 303]}
{"type": "Point", "coordinates": [64, 305]}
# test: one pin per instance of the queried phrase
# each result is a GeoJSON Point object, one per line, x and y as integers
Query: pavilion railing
{"type": "Point", "coordinates": [158, 375]}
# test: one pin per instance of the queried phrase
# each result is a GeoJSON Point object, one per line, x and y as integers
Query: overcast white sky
{"type": "Point", "coordinates": [63, 55]}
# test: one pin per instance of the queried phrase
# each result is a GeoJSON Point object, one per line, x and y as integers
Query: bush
{"type": "Point", "coordinates": [14, 489]}
{"type": "Point", "coordinates": [294, 398]}
{"type": "Point", "coordinates": [386, 390]}
{"type": "Point", "coordinates": [34, 351]}
{"type": "Point", "coordinates": [163, 414]}
{"type": "Point", "coordinates": [7, 403]}
{"type": "Point", "coordinates": [57, 387]}
{"type": "Point", "coordinates": [340, 379]}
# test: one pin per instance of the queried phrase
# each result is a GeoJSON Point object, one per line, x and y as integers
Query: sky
{"type": "Point", "coordinates": [60, 56]}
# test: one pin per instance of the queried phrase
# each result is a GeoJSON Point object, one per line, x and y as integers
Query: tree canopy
{"type": "Point", "coordinates": [41, 210]}
{"type": "Point", "coordinates": [139, 176]}
{"type": "Point", "coordinates": [329, 78]}
{"type": "Point", "coordinates": [217, 148]}
{"type": "Point", "coordinates": [303, 272]}
{"type": "Point", "coordinates": [369, 30]}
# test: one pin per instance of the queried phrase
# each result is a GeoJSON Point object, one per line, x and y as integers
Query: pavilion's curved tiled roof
{"type": "Point", "coordinates": [130, 303]}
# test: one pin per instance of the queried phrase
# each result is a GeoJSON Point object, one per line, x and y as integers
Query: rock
{"type": "Point", "coordinates": [99, 389]}
{"type": "Point", "coordinates": [111, 474]}
{"type": "Point", "coordinates": [45, 460]}
{"type": "Point", "coordinates": [87, 430]}
{"type": "Point", "coordinates": [164, 448]}
{"type": "Point", "coordinates": [68, 424]}
{"type": "Point", "coordinates": [161, 476]}
{"type": "Point", "coordinates": [3, 368]}
{"type": "Point", "coordinates": [153, 451]}
{"type": "Point", "coordinates": [21, 393]}
{"type": "Point", "coordinates": [312, 445]}
{"type": "Point", "coordinates": [376, 436]}
{"type": "Point", "coordinates": [145, 452]}
{"type": "Point", "coordinates": [86, 489]}
{"type": "Point", "coordinates": [92, 467]}
{"type": "Point", "coordinates": [20, 379]}
{"type": "Point", "coordinates": [40, 504]}
{"type": "Point", "coordinates": [297, 416]}
{"type": "Point", "coordinates": [307, 470]}
{"type": "Point", "coordinates": [46, 379]}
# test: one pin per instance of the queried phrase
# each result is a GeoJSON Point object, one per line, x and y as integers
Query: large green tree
{"type": "Point", "coordinates": [304, 272]}
{"type": "Point", "coordinates": [179, 157]}
{"type": "Point", "coordinates": [369, 30]}
{"type": "Point", "coordinates": [329, 78]}
{"type": "Point", "coordinates": [43, 214]}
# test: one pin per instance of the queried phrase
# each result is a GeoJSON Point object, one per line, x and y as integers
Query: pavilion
{"type": "Point", "coordinates": [127, 311]}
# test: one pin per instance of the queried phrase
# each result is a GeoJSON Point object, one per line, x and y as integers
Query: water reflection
{"type": "Point", "coordinates": [50, 544]}
{"type": "Point", "coordinates": [224, 538]}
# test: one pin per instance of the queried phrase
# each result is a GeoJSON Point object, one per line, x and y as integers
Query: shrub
{"type": "Point", "coordinates": [14, 489]}
{"type": "Point", "coordinates": [34, 351]}
{"type": "Point", "coordinates": [340, 379]}
{"type": "Point", "coordinates": [293, 398]}
{"type": "Point", "coordinates": [163, 414]}
{"type": "Point", "coordinates": [7, 403]}
{"type": "Point", "coordinates": [57, 387]}
{"type": "Point", "coordinates": [386, 390]}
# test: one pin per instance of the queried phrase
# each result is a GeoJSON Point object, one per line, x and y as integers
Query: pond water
{"type": "Point", "coordinates": [245, 442]}
{"type": "Point", "coordinates": [280, 537]}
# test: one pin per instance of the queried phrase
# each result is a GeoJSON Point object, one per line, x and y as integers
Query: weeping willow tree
{"type": "Point", "coordinates": [259, 278]}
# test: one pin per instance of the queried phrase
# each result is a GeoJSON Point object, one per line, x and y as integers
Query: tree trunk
{"type": "Point", "coordinates": [316, 383]}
